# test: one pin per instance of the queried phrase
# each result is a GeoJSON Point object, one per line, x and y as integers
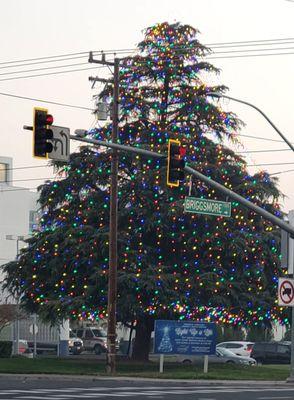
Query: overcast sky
{"type": "Point", "coordinates": [34, 28]}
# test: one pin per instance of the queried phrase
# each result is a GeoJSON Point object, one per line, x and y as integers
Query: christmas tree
{"type": "Point", "coordinates": [170, 265]}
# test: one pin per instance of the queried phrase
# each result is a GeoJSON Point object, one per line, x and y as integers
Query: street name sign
{"type": "Point", "coordinates": [286, 292]}
{"type": "Point", "coordinates": [61, 143]}
{"type": "Point", "coordinates": [208, 207]}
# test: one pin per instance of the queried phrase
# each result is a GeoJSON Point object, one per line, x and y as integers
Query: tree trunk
{"type": "Point", "coordinates": [142, 341]}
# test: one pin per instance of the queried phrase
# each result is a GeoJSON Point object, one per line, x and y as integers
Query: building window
{"type": "Point", "coordinates": [33, 223]}
{"type": "Point", "coordinates": [3, 172]}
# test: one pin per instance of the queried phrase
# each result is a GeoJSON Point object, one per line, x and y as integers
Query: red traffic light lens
{"type": "Point", "coordinates": [182, 151]}
{"type": "Point", "coordinates": [49, 119]}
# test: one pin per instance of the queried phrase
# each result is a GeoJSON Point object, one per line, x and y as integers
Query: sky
{"type": "Point", "coordinates": [33, 29]}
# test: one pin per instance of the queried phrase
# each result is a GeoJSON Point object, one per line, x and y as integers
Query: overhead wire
{"type": "Point", "coordinates": [282, 172]}
{"type": "Point", "coordinates": [34, 179]}
{"type": "Point", "coordinates": [49, 73]}
{"type": "Point", "coordinates": [46, 101]}
{"type": "Point", "coordinates": [57, 58]}
{"type": "Point", "coordinates": [44, 62]}
{"type": "Point", "coordinates": [269, 164]}
{"type": "Point", "coordinates": [262, 151]}
{"type": "Point", "coordinates": [43, 69]}
{"type": "Point", "coordinates": [61, 178]}
{"type": "Point", "coordinates": [260, 138]}
{"type": "Point", "coordinates": [68, 56]}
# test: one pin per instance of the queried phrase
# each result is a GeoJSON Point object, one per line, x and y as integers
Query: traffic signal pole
{"type": "Point", "coordinates": [229, 193]}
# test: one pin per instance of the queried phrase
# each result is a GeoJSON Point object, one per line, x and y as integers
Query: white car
{"type": "Point", "coordinates": [221, 356]}
{"type": "Point", "coordinates": [237, 347]}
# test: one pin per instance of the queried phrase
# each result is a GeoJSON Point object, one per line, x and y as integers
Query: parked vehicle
{"type": "Point", "coordinates": [222, 356]}
{"type": "Point", "coordinates": [22, 346]}
{"type": "Point", "coordinates": [75, 344]}
{"type": "Point", "coordinates": [239, 348]}
{"type": "Point", "coordinates": [94, 338]}
{"type": "Point", "coordinates": [271, 353]}
{"type": "Point", "coordinates": [44, 347]}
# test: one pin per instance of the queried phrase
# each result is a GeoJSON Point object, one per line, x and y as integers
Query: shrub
{"type": "Point", "coordinates": [5, 348]}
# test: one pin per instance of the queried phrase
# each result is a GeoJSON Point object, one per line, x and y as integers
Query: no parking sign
{"type": "Point", "coordinates": [286, 292]}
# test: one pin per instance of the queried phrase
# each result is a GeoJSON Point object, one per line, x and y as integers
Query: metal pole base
{"type": "Point", "coordinates": [63, 348]}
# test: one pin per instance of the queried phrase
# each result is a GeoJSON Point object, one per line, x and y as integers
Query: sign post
{"type": "Point", "coordinates": [291, 272]}
{"type": "Point", "coordinates": [33, 331]}
{"type": "Point", "coordinates": [161, 361]}
{"type": "Point", "coordinates": [208, 207]}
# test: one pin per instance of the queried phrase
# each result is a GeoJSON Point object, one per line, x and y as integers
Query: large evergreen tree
{"type": "Point", "coordinates": [171, 265]}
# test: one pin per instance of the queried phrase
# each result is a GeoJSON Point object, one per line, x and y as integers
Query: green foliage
{"type": "Point", "coordinates": [5, 348]}
{"type": "Point", "coordinates": [259, 334]}
{"type": "Point", "coordinates": [228, 333]}
{"type": "Point", "coordinates": [170, 265]}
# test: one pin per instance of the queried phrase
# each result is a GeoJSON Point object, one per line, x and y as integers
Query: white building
{"type": "Point", "coordinates": [18, 211]}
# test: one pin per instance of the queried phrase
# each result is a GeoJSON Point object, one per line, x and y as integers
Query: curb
{"type": "Point", "coordinates": [205, 382]}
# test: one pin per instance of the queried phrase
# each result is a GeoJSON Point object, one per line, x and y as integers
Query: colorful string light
{"type": "Point", "coordinates": [170, 264]}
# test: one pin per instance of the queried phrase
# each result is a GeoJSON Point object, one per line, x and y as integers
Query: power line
{"type": "Point", "coordinates": [56, 58]}
{"type": "Point", "coordinates": [42, 69]}
{"type": "Point", "coordinates": [260, 165]}
{"type": "Point", "coordinates": [33, 179]}
{"type": "Point", "coordinates": [43, 58]}
{"type": "Point", "coordinates": [252, 44]}
{"type": "Point", "coordinates": [17, 190]}
{"type": "Point", "coordinates": [282, 172]}
{"type": "Point", "coordinates": [28, 167]}
{"type": "Point", "coordinates": [261, 151]}
{"type": "Point", "coordinates": [251, 50]}
{"type": "Point", "coordinates": [35, 188]}
{"type": "Point", "coordinates": [141, 63]}
{"type": "Point", "coordinates": [49, 73]}
{"type": "Point", "coordinates": [91, 109]}
{"type": "Point", "coordinates": [46, 101]}
{"type": "Point", "coordinates": [43, 62]}
{"type": "Point", "coordinates": [250, 55]}
{"type": "Point", "coordinates": [249, 41]}
{"type": "Point", "coordinates": [261, 138]}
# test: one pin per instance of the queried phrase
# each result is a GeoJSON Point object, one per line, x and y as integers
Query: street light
{"type": "Point", "coordinates": [219, 95]}
{"type": "Point", "coordinates": [17, 239]}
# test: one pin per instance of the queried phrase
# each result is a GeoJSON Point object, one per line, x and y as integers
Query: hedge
{"type": "Point", "coordinates": [5, 348]}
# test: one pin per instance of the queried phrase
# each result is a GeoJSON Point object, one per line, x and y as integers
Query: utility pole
{"type": "Point", "coordinates": [112, 274]}
{"type": "Point", "coordinates": [112, 271]}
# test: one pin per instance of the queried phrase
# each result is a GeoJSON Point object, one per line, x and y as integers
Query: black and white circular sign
{"type": "Point", "coordinates": [286, 292]}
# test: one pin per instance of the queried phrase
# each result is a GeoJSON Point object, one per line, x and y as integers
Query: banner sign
{"type": "Point", "coordinates": [184, 337]}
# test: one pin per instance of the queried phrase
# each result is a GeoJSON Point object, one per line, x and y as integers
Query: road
{"type": "Point", "coordinates": [59, 389]}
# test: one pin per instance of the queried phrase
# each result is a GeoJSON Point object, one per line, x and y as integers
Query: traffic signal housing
{"type": "Point", "coordinates": [175, 163]}
{"type": "Point", "coordinates": [42, 133]}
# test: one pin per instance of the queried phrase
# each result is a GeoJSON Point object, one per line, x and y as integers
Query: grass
{"type": "Point", "coordinates": [147, 370]}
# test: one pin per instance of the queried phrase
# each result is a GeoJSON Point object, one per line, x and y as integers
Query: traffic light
{"type": "Point", "coordinates": [42, 133]}
{"type": "Point", "coordinates": [175, 163]}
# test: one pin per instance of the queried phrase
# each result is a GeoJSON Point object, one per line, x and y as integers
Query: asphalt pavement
{"type": "Point", "coordinates": [21, 387]}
